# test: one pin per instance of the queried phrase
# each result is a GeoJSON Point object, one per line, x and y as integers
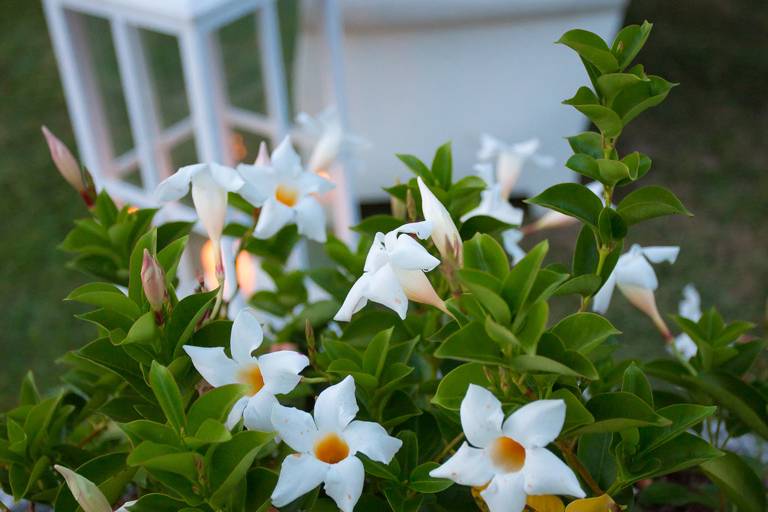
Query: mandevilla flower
{"type": "Point", "coordinates": [210, 184]}
{"type": "Point", "coordinates": [690, 308]}
{"type": "Point", "coordinates": [68, 167]}
{"type": "Point", "coordinates": [394, 272]}
{"type": "Point", "coordinates": [637, 281]}
{"type": "Point", "coordinates": [153, 282]}
{"type": "Point", "coordinates": [511, 239]}
{"type": "Point", "coordinates": [330, 139]}
{"type": "Point", "coordinates": [510, 159]}
{"type": "Point", "coordinates": [326, 446]}
{"type": "Point", "coordinates": [285, 193]}
{"type": "Point", "coordinates": [444, 233]}
{"type": "Point", "coordinates": [266, 375]}
{"type": "Point", "coordinates": [494, 204]}
{"type": "Point", "coordinates": [508, 458]}
{"type": "Point", "coordinates": [86, 493]}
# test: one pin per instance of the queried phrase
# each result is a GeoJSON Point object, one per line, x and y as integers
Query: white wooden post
{"type": "Point", "coordinates": [272, 70]}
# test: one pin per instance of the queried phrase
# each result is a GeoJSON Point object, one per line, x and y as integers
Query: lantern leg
{"type": "Point", "coordinates": [154, 159]}
{"type": "Point", "coordinates": [84, 98]}
{"type": "Point", "coordinates": [206, 94]}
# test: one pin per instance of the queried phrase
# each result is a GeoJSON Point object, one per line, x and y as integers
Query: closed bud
{"type": "Point", "coordinates": [70, 169]}
{"type": "Point", "coordinates": [153, 282]}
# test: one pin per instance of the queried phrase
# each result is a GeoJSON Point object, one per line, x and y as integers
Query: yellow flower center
{"type": "Point", "coordinates": [252, 377]}
{"type": "Point", "coordinates": [287, 195]}
{"type": "Point", "coordinates": [508, 454]}
{"type": "Point", "coordinates": [331, 449]}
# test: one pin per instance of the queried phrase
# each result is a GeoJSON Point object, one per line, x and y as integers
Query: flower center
{"type": "Point", "coordinates": [287, 195]}
{"type": "Point", "coordinates": [508, 454]}
{"type": "Point", "coordinates": [252, 377]}
{"type": "Point", "coordinates": [331, 449]}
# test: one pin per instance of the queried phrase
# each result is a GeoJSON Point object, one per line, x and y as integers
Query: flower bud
{"type": "Point", "coordinates": [263, 157]}
{"type": "Point", "coordinates": [70, 169]}
{"type": "Point", "coordinates": [153, 282]}
{"type": "Point", "coordinates": [444, 233]}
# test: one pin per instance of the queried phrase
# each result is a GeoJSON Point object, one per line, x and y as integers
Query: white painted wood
{"type": "Point", "coordinates": [273, 74]}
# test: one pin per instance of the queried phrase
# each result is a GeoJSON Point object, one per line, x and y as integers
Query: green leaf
{"type": "Point", "coordinates": [106, 296]}
{"type": "Point", "coordinates": [541, 364]}
{"type": "Point", "coordinates": [230, 461]}
{"type": "Point", "coordinates": [470, 343]}
{"type": "Point", "coordinates": [585, 255]}
{"type": "Point", "coordinates": [147, 430]}
{"type": "Point", "coordinates": [685, 452]}
{"type": "Point", "coordinates": [502, 336]}
{"type": "Point", "coordinates": [612, 171]}
{"type": "Point", "coordinates": [550, 346]}
{"type": "Point", "coordinates": [420, 481]}
{"type": "Point", "coordinates": [213, 405]}
{"type": "Point", "coordinates": [453, 387]}
{"type": "Point", "coordinates": [165, 458]}
{"type": "Point", "coordinates": [442, 166]}
{"type": "Point", "coordinates": [591, 48]}
{"type": "Point", "coordinates": [210, 432]}
{"type": "Point", "coordinates": [584, 164]}
{"type": "Point", "coordinates": [584, 331]}
{"type": "Point", "coordinates": [417, 167]}
{"type": "Point", "coordinates": [637, 98]}
{"type": "Point", "coordinates": [613, 83]}
{"type": "Point", "coordinates": [648, 203]}
{"type": "Point", "coordinates": [157, 502]}
{"type": "Point", "coordinates": [531, 326]}
{"type": "Point", "coordinates": [682, 416]}
{"type": "Point", "coordinates": [571, 199]}
{"type": "Point", "coordinates": [589, 143]}
{"type": "Point", "coordinates": [635, 382]}
{"type": "Point", "coordinates": [185, 317]}
{"type": "Point", "coordinates": [375, 354]}
{"type": "Point", "coordinates": [576, 414]}
{"type": "Point", "coordinates": [521, 278]}
{"type": "Point", "coordinates": [484, 253]}
{"type": "Point", "coordinates": [584, 285]}
{"type": "Point", "coordinates": [377, 224]}
{"type": "Point", "coordinates": [611, 226]}
{"type": "Point", "coordinates": [492, 302]}
{"type": "Point", "coordinates": [594, 451]}
{"type": "Point", "coordinates": [168, 395]}
{"type": "Point", "coordinates": [665, 493]}
{"type": "Point", "coordinates": [629, 41]}
{"type": "Point", "coordinates": [482, 224]}
{"type": "Point", "coordinates": [619, 411]}
{"type": "Point", "coordinates": [606, 120]}
{"type": "Point", "coordinates": [742, 486]}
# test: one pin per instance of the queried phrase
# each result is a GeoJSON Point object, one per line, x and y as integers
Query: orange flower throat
{"type": "Point", "coordinates": [331, 449]}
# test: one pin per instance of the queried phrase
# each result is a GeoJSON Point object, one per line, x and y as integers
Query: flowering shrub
{"type": "Point", "coordinates": [436, 375]}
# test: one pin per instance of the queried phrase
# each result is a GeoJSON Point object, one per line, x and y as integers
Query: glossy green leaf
{"type": "Point", "coordinates": [648, 203]}
{"type": "Point", "coordinates": [591, 48]}
{"type": "Point", "coordinates": [453, 387]}
{"type": "Point", "coordinates": [629, 41]}
{"type": "Point", "coordinates": [168, 395]}
{"type": "Point", "coordinates": [484, 253]}
{"type": "Point", "coordinates": [584, 331]}
{"type": "Point", "coordinates": [442, 166]}
{"type": "Point", "coordinates": [740, 483]}
{"type": "Point", "coordinates": [470, 343]}
{"type": "Point", "coordinates": [571, 199]}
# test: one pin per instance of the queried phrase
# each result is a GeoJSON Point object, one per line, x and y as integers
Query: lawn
{"type": "Point", "coordinates": [707, 142]}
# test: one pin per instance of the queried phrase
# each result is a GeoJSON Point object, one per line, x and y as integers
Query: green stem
{"type": "Point", "coordinates": [602, 254]}
{"type": "Point", "coordinates": [448, 447]}
{"type": "Point", "coordinates": [576, 464]}
{"type": "Point", "coordinates": [314, 380]}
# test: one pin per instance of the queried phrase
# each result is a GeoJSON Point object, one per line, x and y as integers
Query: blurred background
{"type": "Point", "coordinates": [706, 142]}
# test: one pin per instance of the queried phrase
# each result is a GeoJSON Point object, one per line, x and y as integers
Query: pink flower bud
{"type": "Point", "coordinates": [69, 168]}
{"type": "Point", "coordinates": [153, 282]}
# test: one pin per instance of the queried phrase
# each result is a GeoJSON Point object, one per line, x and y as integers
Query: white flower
{"type": "Point", "coordinates": [444, 233]}
{"type": "Point", "coordinates": [394, 272]}
{"type": "Point", "coordinates": [326, 446]}
{"type": "Point", "coordinates": [690, 308]}
{"type": "Point", "coordinates": [508, 457]}
{"type": "Point", "coordinates": [267, 375]}
{"type": "Point", "coordinates": [510, 159]}
{"type": "Point", "coordinates": [553, 219]}
{"type": "Point", "coordinates": [494, 204]}
{"type": "Point", "coordinates": [511, 239]}
{"type": "Point", "coordinates": [637, 281]}
{"type": "Point", "coordinates": [331, 140]}
{"type": "Point", "coordinates": [285, 193]}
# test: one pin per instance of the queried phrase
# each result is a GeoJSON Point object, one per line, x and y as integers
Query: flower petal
{"type": "Point", "coordinates": [344, 483]}
{"type": "Point", "coordinates": [384, 288]}
{"type": "Point", "coordinates": [602, 298]}
{"type": "Point", "coordinates": [336, 406]}
{"type": "Point", "coordinates": [273, 217]}
{"type": "Point", "coordinates": [236, 413]}
{"type": "Point", "coordinates": [408, 254]}
{"type": "Point", "coordinates": [505, 493]}
{"type": "Point", "coordinates": [311, 183]}
{"type": "Point", "coordinates": [176, 186]}
{"type": "Point", "coordinates": [536, 424]}
{"type": "Point", "coordinates": [226, 177]}
{"type": "Point", "coordinates": [690, 306]}
{"type": "Point", "coordinates": [210, 204]}
{"type": "Point", "coordinates": [285, 160]}
{"type": "Point", "coordinates": [299, 474]}
{"type": "Point", "coordinates": [213, 364]}
{"type": "Point", "coordinates": [468, 466]}
{"type": "Point", "coordinates": [660, 254]}
{"type": "Point", "coordinates": [246, 336]}
{"type": "Point", "coordinates": [296, 427]}
{"type": "Point", "coordinates": [310, 219]}
{"type": "Point", "coordinates": [258, 183]}
{"type": "Point", "coordinates": [258, 412]}
{"type": "Point", "coordinates": [372, 440]}
{"type": "Point", "coordinates": [377, 255]}
{"type": "Point", "coordinates": [356, 299]}
{"type": "Point", "coordinates": [281, 369]}
{"type": "Point", "coordinates": [444, 233]}
{"type": "Point", "coordinates": [511, 239]}
{"type": "Point", "coordinates": [421, 229]}
{"type": "Point", "coordinates": [634, 270]}
{"type": "Point", "coordinates": [481, 416]}
{"type": "Point", "coordinates": [418, 288]}
{"type": "Point", "coordinates": [546, 474]}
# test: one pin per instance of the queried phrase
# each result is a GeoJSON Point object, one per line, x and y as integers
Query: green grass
{"type": "Point", "coordinates": [707, 142]}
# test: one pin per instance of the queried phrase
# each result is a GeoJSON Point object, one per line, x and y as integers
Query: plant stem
{"type": "Point", "coordinates": [576, 464]}
{"type": "Point", "coordinates": [314, 380]}
{"type": "Point", "coordinates": [451, 444]}
{"type": "Point", "coordinates": [602, 254]}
